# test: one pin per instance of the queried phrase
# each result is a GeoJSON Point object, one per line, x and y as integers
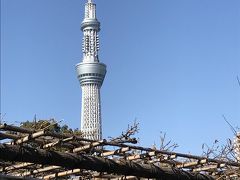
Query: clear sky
{"type": "Point", "coordinates": [172, 65]}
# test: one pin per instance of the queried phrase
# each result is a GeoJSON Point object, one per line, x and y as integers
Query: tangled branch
{"type": "Point", "coordinates": [126, 137]}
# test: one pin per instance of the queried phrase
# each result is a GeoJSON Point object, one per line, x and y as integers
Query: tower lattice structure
{"type": "Point", "coordinates": [237, 146]}
{"type": "Point", "coordinates": [91, 74]}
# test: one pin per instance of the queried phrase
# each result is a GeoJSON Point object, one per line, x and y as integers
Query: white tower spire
{"type": "Point", "coordinates": [91, 74]}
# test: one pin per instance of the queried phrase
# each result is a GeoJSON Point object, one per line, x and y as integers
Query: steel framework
{"type": "Point", "coordinates": [91, 74]}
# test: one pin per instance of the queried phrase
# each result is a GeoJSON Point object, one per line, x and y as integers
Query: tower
{"type": "Point", "coordinates": [236, 146]}
{"type": "Point", "coordinates": [91, 73]}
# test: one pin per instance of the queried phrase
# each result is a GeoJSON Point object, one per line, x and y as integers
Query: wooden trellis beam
{"type": "Point", "coordinates": [61, 174]}
{"type": "Point", "coordinates": [8, 136]}
{"type": "Point", "coordinates": [192, 164]}
{"type": "Point", "coordinates": [75, 144]}
{"type": "Point", "coordinates": [175, 154]}
{"type": "Point", "coordinates": [8, 177]}
{"type": "Point", "coordinates": [7, 127]}
{"type": "Point", "coordinates": [24, 165]}
{"type": "Point", "coordinates": [49, 168]}
{"type": "Point", "coordinates": [15, 167]}
{"type": "Point", "coordinates": [116, 152]}
{"type": "Point", "coordinates": [63, 143]}
{"type": "Point", "coordinates": [29, 137]}
{"type": "Point", "coordinates": [40, 170]}
{"type": "Point", "coordinates": [73, 161]}
{"type": "Point", "coordinates": [63, 136]}
{"type": "Point", "coordinates": [210, 167]}
{"type": "Point", "coordinates": [88, 146]}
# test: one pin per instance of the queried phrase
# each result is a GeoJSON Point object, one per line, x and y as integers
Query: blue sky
{"type": "Point", "coordinates": [172, 65]}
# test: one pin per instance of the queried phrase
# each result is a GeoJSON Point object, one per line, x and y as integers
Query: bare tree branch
{"type": "Point", "coordinates": [166, 145]}
{"type": "Point", "coordinates": [238, 80]}
{"type": "Point", "coordinates": [232, 128]}
{"type": "Point", "coordinates": [126, 137]}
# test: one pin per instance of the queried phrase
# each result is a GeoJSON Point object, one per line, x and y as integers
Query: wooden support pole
{"type": "Point", "coordinates": [74, 161]}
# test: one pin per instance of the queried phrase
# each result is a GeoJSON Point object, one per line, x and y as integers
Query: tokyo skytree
{"type": "Point", "coordinates": [236, 146]}
{"type": "Point", "coordinates": [91, 73]}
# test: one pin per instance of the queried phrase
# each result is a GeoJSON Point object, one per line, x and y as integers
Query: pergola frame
{"type": "Point", "coordinates": [44, 140]}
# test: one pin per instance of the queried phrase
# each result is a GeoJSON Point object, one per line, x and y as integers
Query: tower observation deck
{"type": "Point", "coordinates": [91, 73]}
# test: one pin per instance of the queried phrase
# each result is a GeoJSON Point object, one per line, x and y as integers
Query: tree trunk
{"type": "Point", "coordinates": [72, 161]}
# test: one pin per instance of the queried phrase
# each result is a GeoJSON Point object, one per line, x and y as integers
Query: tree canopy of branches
{"type": "Point", "coordinates": [51, 125]}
